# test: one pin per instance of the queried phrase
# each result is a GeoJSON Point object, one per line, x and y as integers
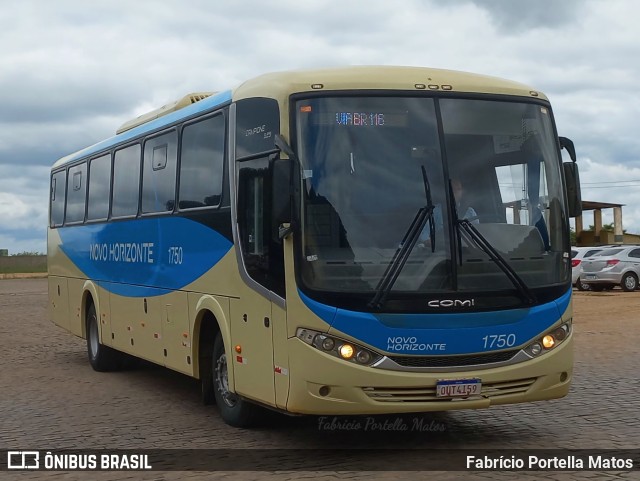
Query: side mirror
{"type": "Point", "coordinates": [567, 144]}
{"type": "Point", "coordinates": [572, 182]}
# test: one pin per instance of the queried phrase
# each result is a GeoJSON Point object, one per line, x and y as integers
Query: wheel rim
{"type": "Point", "coordinates": [93, 337]}
{"type": "Point", "coordinates": [585, 287]}
{"type": "Point", "coordinates": [222, 382]}
{"type": "Point", "coordinates": [630, 282]}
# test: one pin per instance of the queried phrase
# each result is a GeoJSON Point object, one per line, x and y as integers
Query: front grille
{"type": "Point", "coordinates": [428, 394]}
{"type": "Point", "coordinates": [449, 361]}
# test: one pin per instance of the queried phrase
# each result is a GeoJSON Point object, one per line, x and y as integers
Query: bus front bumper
{"type": "Point", "coordinates": [322, 384]}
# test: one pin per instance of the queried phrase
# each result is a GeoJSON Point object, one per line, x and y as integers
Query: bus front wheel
{"type": "Point", "coordinates": [101, 357]}
{"type": "Point", "coordinates": [233, 410]}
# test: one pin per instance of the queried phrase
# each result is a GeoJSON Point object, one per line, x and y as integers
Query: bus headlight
{"type": "Point", "coordinates": [345, 350]}
{"type": "Point", "coordinates": [550, 340]}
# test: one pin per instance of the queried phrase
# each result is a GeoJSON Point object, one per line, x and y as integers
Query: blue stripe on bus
{"type": "Point", "coordinates": [129, 257]}
{"type": "Point", "coordinates": [434, 334]}
{"type": "Point", "coordinates": [209, 103]}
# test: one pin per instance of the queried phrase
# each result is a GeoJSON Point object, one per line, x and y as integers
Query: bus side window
{"type": "Point", "coordinates": [159, 173]}
{"type": "Point", "coordinates": [251, 215]}
{"type": "Point", "coordinates": [202, 164]}
{"type": "Point", "coordinates": [58, 191]}
{"type": "Point", "coordinates": [263, 256]}
{"type": "Point", "coordinates": [76, 194]}
{"type": "Point", "coordinates": [126, 181]}
{"type": "Point", "coordinates": [99, 188]}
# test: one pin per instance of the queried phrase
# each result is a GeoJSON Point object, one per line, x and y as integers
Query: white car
{"type": "Point", "coordinates": [577, 254]}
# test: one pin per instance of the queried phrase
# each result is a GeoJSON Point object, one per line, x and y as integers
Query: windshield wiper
{"type": "Point", "coordinates": [481, 241]}
{"type": "Point", "coordinates": [409, 241]}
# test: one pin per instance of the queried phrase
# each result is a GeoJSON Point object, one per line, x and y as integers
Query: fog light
{"type": "Point", "coordinates": [548, 341]}
{"type": "Point", "coordinates": [346, 351]}
{"type": "Point", "coordinates": [536, 349]}
{"type": "Point", "coordinates": [328, 344]}
{"type": "Point", "coordinates": [363, 357]}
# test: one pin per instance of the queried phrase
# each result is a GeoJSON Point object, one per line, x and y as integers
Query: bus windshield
{"type": "Point", "coordinates": [491, 162]}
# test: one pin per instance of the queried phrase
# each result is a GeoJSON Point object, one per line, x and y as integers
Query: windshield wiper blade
{"type": "Point", "coordinates": [409, 241]}
{"type": "Point", "coordinates": [525, 293]}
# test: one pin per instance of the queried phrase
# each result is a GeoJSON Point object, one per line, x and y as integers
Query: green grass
{"type": "Point", "coordinates": [23, 264]}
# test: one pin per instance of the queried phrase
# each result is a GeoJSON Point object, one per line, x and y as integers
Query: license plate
{"type": "Point", "coordinates": [458, 388]}
{"type": "Point", "coordinates": [591, 277]}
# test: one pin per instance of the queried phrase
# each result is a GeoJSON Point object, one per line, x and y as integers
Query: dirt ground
{"type": "Point", "coordinates": [615, 305]}
{"type": "Point", "coordinates": [51, 398]}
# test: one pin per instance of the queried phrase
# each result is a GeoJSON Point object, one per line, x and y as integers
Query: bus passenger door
{"type": "Point", "coordinates": [252, 324]}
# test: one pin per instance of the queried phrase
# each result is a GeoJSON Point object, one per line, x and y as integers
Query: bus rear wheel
{"type": "Point", "coordinates": [234, 411]}
{"type": "Point", "coordinates": [101, 357]}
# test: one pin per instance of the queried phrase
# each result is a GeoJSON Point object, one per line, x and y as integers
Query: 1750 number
{"type": "Point", "coordinates": [175, 255]}
{"type": "Point", "coordinates": [499, 340]}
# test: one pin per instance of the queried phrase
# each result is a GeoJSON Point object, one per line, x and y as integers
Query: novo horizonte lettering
{"type": "Point", "coordinates": [141, 252]}
{"type": "Point", "coordinates": [410, 343]}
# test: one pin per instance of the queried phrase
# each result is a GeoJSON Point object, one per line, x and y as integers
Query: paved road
{"type": "Point", "coordinates": [51, 398]}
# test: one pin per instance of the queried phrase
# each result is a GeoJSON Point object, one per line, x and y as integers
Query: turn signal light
{"type": "Point", "coordinates": [548, 341]}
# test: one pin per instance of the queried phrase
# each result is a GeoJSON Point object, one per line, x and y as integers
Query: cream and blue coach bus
{"type": "Point", "coordinates": [345, 241]}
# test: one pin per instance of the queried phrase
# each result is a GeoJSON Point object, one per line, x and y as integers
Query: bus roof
{"type": "Point", "coordinates": [379, 78]}
{"type": "Point", "coordinates": [280, 85]}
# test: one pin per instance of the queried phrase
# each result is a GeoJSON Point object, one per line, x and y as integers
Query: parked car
{"type": "Point", "coordinates": [577, 254]}
{"type": "Point", "coordinates": [611, 267]}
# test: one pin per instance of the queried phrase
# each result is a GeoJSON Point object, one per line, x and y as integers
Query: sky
{"type": "Point", "coordinates": [71, 72]}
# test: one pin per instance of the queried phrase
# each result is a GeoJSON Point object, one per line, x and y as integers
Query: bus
{"type": "Point", "coordinates": [357, 240]}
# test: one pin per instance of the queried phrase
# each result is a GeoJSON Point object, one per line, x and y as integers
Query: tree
{"type": "Point", "coordinates": [607, 227]}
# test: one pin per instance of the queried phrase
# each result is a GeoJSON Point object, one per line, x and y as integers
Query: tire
{"type": "Point", "coordinates": [234, 410]}
{"type": "Point", "coordinates": [629, 282]}
{"type": "Point", "coordinates": [101, 357]}
{"type": "Point", "coordinates": [582, 286]}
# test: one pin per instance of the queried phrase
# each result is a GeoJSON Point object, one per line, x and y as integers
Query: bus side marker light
{"type": "Point", "coordinates": [238, 348]}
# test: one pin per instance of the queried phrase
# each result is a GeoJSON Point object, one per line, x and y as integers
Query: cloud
{"type": "Point", "coordinates": [513, 16]}
{"type": "Point", "coordinates": [71, 74]}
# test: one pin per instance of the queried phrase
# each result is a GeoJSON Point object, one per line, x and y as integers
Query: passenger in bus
{"type": "Point", "coordinates": [464, 210]}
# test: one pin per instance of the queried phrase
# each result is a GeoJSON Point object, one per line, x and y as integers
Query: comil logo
{"type": "Point", "coordinates": [23, 460]}
{"type": "Point", "coordinates": [452, 303]}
